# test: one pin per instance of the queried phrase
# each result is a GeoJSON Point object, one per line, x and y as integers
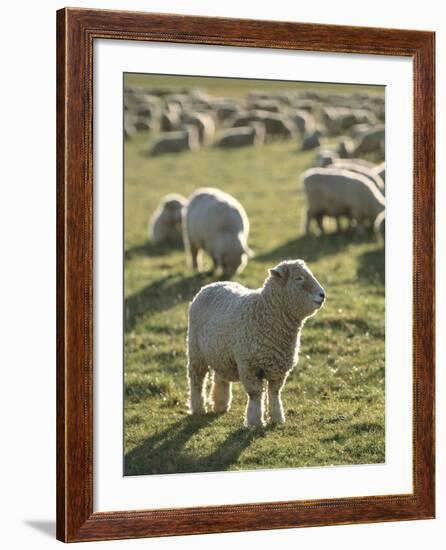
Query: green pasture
{"type": "Point", "coordinates": [333, 400]}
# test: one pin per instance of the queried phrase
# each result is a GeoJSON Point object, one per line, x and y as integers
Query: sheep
{"type": "Point", "coordinates": [345, 147]}
{"type": "Point", "coordinates": [254, 134]}
{"type": "Point", "coordinates": [176, 142]}
{"type": "Point", "coordinates": [304, 121]}
{"type": "Point", "coordinates": [276, 125]}
{"type": "Point", "coordinates": [371, 141]}
{"type": "Point", "coordinates": [359, 168]}
{"type": "Point", "coordinates": [165, 223]}
{"type": "Point", "coordinates": [311, 141]}
{"type": "Point", "coordinates": [217, 223]}
{"type": "Point", "coordinates": [336, 192]}
{"type": "Point", "coordinates": [379, 225]}
{"type": "Point", "coordinates": [205, 125]}
{"type": "Point", "coordinates": [325, 157]}
{"type": "Point", "coordinates": [251, 336]}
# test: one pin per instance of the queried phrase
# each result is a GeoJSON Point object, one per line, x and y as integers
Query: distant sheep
{"type": "Point", "coordinates": [336, 193]}
{"type": "Point", "coordinates": [345, 147]}
{"type": "Point", "coordinates": [304, 121]}
{"type": "Point", "coordinates": [205, 126]}
{"type": "Point", "coordinates": [217, 223]}
{"type": "Point", "coordinates": [176, 142]}
{"type": "Point", "coordinates": [371, 141]}
{"type": "Point", "coordinates": [165, 223]}
{"type": "Point", "coordinates": [242, 137]}
{"type": "Point", "coordinates": [311, 141]}
{"type": "Point", "coordinates": [276, 125]}
{"type": "Point", "coordinates": [251, 336]}
{"type": "Point", "coordinates": [359, 168]}
{"type": "Point", "coordinates": [325, 157]}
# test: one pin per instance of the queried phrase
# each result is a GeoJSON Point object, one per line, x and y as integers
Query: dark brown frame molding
{"type": "Point", "coordinates": [76, 31]}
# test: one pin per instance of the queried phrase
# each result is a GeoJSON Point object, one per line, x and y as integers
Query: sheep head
{"type": "Point", "coordinates": [302, 293]}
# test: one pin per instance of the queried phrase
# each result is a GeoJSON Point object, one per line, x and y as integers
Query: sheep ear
{"type": "Point", "coordinates": [279, 274]}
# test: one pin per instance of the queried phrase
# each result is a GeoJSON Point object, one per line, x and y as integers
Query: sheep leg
{"type": "Point", "coordinates": [308, 222]}
{"type": "Point", "coordinates": [193, 249]}
{"type": "Point", "coordinates": [221, 394]}
{"type": "Point", "coordinates": [197, 372]}
{"type": "Point", "coordinates": [275, 408]}
{"type": "Point", "coordinates": [254, 410]}
{"type": "Point", "coordinates": [338, 225]}
{"type": "Point", "coordinates": [320, 223]}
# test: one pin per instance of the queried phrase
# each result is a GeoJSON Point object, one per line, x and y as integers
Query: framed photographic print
{"type": "Point", "coordinates": [245, 275]}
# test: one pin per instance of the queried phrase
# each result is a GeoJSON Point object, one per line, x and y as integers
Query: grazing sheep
{"type": "Point", "coordinates": [380, 225]}
{"type": "Point", "coordinates": [304, 121]}
{"type": "Point", "coordinates": [169, 121]}
{"type": "Point", "coordinates": [205, 126]}
{"type": "Point", "coordinates": [325, 157]}
{"type": "Point", "coordinates": [276, 125]}
{"type": "Point", "coordinates": [359, 168]}
{"type": "Point", "coordinates": [254, 134]}
{"type": "Point", "coordinates": [217, 223]}
{"type": "Point", "coordinates": [311, 141]}
{"type": "Point", "coordinates": [371, 141]}
{"type": "Point", "coordinates": [165, 223]}
{"type": "Point", "coordinates": [176, 142]}
{"type": "Point", "coordinates": [251, 336]}
{"type": "Point", "coordinates": [345, 147]}
{"type": "Point", "coordinates": [335, 192]}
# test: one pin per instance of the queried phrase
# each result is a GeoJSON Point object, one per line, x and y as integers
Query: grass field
{"type": "Point", "coordinates": [333, 400]}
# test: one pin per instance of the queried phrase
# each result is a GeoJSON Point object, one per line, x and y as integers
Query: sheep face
{"type": "Point", "coordinates": [232, 262]}
{"type": "Point", "coordinates": [302, 292]}
{"type": "Point", "coordinates": [173, 210]}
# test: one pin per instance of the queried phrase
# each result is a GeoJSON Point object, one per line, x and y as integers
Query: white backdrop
{"type": "Point", "coordinates": [28, 280]}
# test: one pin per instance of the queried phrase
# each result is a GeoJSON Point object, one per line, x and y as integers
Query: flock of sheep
{"type": "Point", "coordinates": [253, 335]}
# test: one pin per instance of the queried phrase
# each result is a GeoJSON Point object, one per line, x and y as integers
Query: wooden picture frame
{"type": "Point", "coordinates": [76, 31]}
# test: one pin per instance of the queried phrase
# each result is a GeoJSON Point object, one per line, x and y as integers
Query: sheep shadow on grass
{"type": "Point", "coordinates": [312, 247]}
{"type": "Point", "coordinates": [372, 266]}
{"type": "Point", "coordinates": [151, 250]}
{"type": "Point", "coordinates": [165, 453]}
{"type": "Point", "coordinates": [161, 295]}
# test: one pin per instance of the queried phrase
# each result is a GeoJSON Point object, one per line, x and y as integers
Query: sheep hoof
{"type": "Point", "coordinates": [197, 412]}
{"type": "Point", "coordinates": [254, 425]}
{"type": "Point", "coordinates": [277, 421]}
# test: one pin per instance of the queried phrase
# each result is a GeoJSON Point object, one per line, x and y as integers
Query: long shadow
{"type": "Point", "coordinates": [312, 247]}
{"type": "Point", "coordinates": [151, 250]}
{"type": "Point", "coordinates": [361, 428]}
{"type": "Point", "coordinates": [164, 452]}
{"type": "Point", "coordinates": [161, 295]}
{"type": "Point", "coordinates": [372, 266]}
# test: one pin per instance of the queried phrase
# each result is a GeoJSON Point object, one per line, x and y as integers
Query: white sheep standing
{"type": "Point", "coordinates": [217, 223]}
{"type": "Point", "coordinates": [165, 223]}
{"type": "Point", "coordinates": [251, 336]}
{"type": "Point", "coordinates": [336, 192]}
